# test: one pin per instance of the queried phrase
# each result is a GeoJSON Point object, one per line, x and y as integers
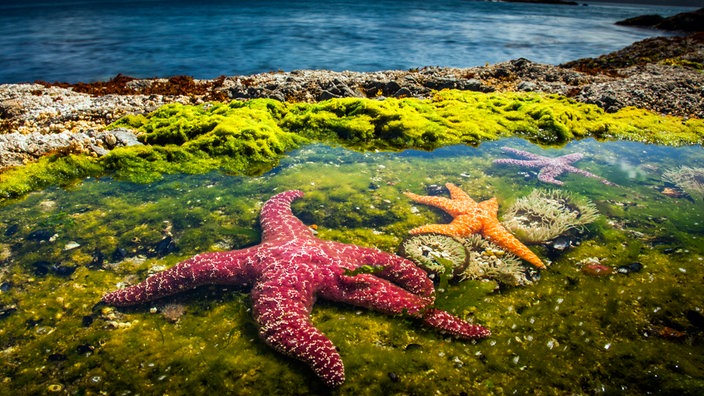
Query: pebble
{"type": "Point", "coordinates": [71, 245]}
{"type": "Point", "coordinates": [12, 230]}
{"type": "Point", "coordinates": [596, 269]}
{"type": "Point", "coordinates": [41, 235]}
{"type": "Point", "coordinates": [630, 268]}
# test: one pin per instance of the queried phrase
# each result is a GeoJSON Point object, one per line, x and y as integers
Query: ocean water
{"type": "Point", "coordinates": [73, 40]}
{"type": "Point", "coordinates": [636, 330]}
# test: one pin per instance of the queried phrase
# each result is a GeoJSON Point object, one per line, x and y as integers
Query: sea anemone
{"type": "Point", "coordinates": [543, 215]}
{"type": "Point", "coordinates": [451, 259]}
{"type": "Point", "coordinates": [691, 180]}
{"type": "Point", "coordinates": [489, 261]}
{"type": "Point", "coordinates": [439, 255]}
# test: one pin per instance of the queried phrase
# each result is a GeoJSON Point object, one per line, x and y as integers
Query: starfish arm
{"type": "Point", "coordinates": [457, 194]}
{"type": "Point", "coordinates": [278, 221]}
{"type": "Point", "coordinates": [521, 153]}
{"type": "Point", "coordinates": [511, 161]}
{"type": "Point", "coordinates": [365, 290]}
{"type": "Point", "coordinates": [395, 268]}
{"type": "Point", "coordinates": [549, 173]}
{"type": "Point", "coordinates": [208, 268]}
{"type": "Point", "coordinates": [453, 325]}
{"type": "Point", "coordinates": [502, 237]}
{"type": "Point", "coordinates": [368, 291]}
{"type": "Point", "coordinates": [455, 228]}
{"type": "Point", "coordinates": [570, 158]}
{"type": "Point", "coordinates": [282, 312]}
{"type": "Point", "coordinates": [443, 203]}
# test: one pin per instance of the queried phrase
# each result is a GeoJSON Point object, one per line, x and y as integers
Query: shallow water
{"type": "Point", "coordinates": [567, 332]}
{"type": "Point", "coordinates": [72, 40]}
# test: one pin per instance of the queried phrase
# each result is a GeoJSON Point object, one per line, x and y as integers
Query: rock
{"type": "Point", "coordinates": [17, 148]}
{"type": "Point", "coordinates": [597, 270]}
{"type": "Point", "coordinates": [642, 21]}
{"type": "Point", "coordinates": [630, 268]}
{"type": "Point", "coordinates": [692, 21]}
{"type": "Point", "coordinates": [526, 86]}
{"type": "Point", "coordinates": [685, 22]}
{"type": "Point", "coordinates": [40, 235]}
{"type": "Point", "coordinates": [10, 108]}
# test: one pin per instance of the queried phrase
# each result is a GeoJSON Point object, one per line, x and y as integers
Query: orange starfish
{"type": "Point", "coordinates": [470, 218]}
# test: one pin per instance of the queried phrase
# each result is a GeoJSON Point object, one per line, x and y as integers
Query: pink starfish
{"type": "Point", "coordinates": [550, 168]}
{"type": "Point", "coordinates": [288, 269]}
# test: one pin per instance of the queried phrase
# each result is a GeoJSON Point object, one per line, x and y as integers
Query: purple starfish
{"type": "Point", "coordinates": [550, 168]}
{"type": "Point", "coordinates": [288, 269]}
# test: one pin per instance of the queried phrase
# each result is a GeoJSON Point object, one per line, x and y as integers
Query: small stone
{"type": "Point", "coordinates": [71, 245]}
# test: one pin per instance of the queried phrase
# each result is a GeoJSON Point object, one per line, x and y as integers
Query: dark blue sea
{"type": "Point", "coordinates": [95, 40]}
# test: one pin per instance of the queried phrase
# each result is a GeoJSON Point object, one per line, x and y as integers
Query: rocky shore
{"type": "Point", "coordinates": [662, 74]}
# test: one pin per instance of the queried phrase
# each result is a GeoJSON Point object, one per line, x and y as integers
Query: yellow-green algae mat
{"type": "Point", "coordinates": [62, 248]}
{"type": "Point", "coordinates": [250, 137]}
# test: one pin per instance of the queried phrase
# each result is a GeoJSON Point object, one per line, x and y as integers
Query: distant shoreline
{"type": "Point", "coordinates": [560, 2]}
{"type": "Point", "coordinates": [675, 3]}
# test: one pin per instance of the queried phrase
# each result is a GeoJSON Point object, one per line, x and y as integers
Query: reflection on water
{"type": "Point", "coordinates": [575, 328]}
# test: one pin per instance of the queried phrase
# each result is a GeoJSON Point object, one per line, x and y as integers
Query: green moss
{"type": "Point", "coordinates": [50, 170]}
{"type": "Point", "coordinates": [460, 117]}
{"type": "Point", "coordinates": [239, 137]}
{"type": "Point", "coordinates": [683, 63]}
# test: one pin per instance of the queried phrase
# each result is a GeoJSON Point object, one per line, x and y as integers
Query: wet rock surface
{"type": "Point", "coordinates": [659, 74]}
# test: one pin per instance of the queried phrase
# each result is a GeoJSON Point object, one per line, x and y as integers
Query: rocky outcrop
{"type": "Point", "coordinates": [667, 89]}
{"type": "Point", "coordinates": [685, 22]}
{"type": "Point", "coordinates": [562, 2]}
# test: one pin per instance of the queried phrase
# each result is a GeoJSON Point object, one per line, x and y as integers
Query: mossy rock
{"type": "Point", "coordinates": [250, 138]}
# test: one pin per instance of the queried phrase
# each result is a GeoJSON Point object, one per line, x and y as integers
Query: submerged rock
{"type": "Point", "coordinates": [7, 310]}
{"type": "Point", "coordinates": [597, 269]}
{"type": "Point", "coordinates": [41, 235]}
{"type": "Point", "coordinates": [687, 179]}
{"type": "Point", "coordinates": [630, 268]}
{"type": "Point", "coordinates": [12, 230]}
{"type": "Point", "coordinates": [163, 247]}
{"type": "Point", "coordinates": [42, 268]}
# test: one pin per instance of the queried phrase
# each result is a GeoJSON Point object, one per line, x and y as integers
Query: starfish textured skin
{"type": "Point", "coordinates": [550, 168]}
{"type": "Point", "coordinates": [470, 218]}
{"type": "Point", "coordinates": [288, 270]}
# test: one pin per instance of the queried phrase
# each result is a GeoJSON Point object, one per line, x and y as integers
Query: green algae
{"type": "Point", "coordinates": [239, 137]}
{"type": "Point", "coordinates": [49, 170]}
{"type": "Point", "coordinates": [459, 117]}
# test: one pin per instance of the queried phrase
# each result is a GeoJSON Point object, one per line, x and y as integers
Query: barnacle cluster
{"type": "Point", "coordinates": [544, 215]}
